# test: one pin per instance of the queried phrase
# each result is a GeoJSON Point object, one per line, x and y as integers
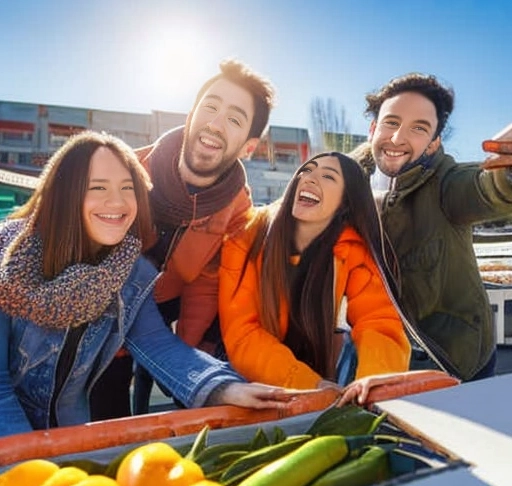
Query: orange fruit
{"type": "Point", "coordinates": [184, 473]}
{"type": "Point", "coordinates": [29, 473]}
{"type": "Point", "coordinates": [147, 465]}
{"type": "Point", "coordinates": [207, 482]}
{"type": "Point", "coordinates": [97, 480]}
{"type": "Point", "coordinates": [65, 476]}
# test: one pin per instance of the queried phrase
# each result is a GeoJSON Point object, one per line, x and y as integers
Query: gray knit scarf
{"type": "Point", "coordinates": [81, 293]}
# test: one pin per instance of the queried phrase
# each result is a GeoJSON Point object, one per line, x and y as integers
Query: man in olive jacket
{"type": "Point", "coordinates": [428, 212]}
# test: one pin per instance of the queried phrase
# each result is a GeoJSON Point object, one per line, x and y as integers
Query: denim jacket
{"type": "Point", "coordinates": [29, 354]}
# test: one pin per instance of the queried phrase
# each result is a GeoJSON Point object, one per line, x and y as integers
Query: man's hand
{"type": "Point", "coordinates": [496, 161]}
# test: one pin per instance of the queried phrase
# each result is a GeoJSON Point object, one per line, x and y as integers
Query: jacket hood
{"type": "Point", "coordinates": [348, 235]}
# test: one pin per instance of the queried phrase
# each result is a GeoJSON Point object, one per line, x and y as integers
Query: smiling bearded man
{"type": "Point", "coordinates": [200, 196]}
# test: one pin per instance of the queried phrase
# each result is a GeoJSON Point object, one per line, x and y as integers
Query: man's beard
{"type": "Point", "coordinates": [202, 170]}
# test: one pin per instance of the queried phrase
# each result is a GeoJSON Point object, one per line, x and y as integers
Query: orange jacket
{"type": "Point", "coordinates": [379, 337]}
{"type": "Point", "coordinates": [191, 272]}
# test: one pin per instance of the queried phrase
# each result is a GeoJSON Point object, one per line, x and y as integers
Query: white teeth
{"type": "Point", "coordinates": [209, 143]}
{"type": "Point", "coordinates": [393, 154]}
{"type": "Point", "coordinates": [309, 195]}
{"type": "Point", "coordinates": [111, 216]}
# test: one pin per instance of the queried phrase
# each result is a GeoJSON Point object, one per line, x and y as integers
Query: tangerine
{"type": "Point", "coordinates": [184, 473]}
{"type": "Point", "coordinates": [97, 480]}
{"type": "Point", "coordinates": [147, 465]}
{"type": "Point", "coordinates": [207, 482]}
{"type": "Point", "coordinates": [65, 476]}
{"type": "Point", "coordinates": [29, 473]}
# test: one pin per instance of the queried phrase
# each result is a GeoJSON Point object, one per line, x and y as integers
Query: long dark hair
{"type": "Point", "coordinates": [312, 313]}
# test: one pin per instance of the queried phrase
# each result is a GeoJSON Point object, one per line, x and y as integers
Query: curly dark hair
{"type": "Point", "coordinates": [424, 84]}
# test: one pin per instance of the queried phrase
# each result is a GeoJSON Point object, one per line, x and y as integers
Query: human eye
{"type": "Point", "coordinates": [390, 123]}
{"type": "Point", "coordinates": [96, 187]}
{"type": "Point", "coordinates": [235, 121]}
{"type": "Point", "coordinates": [329, 176]}
{"type": "Point", "coordinates": [420, 128]}
{"type": "Point", "coordinates": [210, 107]}
{"type": "Point", "coordinates": [128, 187]}
{"type": "Point", "coordinates": [305, 170]}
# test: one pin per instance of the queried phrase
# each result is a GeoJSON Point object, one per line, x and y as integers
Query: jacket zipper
{"type": "Point", "coordinates": [410, 328]}
{"type": "Point", "coordinates": [177, 234]}
{"type": "Point", "coordinates": [172, 245]}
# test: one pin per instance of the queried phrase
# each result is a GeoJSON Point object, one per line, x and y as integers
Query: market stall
{"type": "Point", "coordinates": [448, 435]}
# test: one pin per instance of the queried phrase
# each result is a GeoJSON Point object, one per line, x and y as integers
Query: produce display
{"type": "Point", "coordinates": [343, 446]}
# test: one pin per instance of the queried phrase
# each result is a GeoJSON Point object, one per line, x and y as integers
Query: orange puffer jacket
{"type": "Point", "coordinates": [377, 331]}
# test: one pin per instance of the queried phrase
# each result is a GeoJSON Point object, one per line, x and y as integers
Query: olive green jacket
{"type": "Point", "coordinates": [428, 214]}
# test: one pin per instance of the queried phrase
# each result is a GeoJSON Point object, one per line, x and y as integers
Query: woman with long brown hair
{"type": "Point", "coordinates": [309, 276]}
{"type": "Point", "coordinates": [74, 290]}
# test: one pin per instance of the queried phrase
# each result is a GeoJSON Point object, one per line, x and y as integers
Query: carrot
{"type": "Point", "coordinates": [115, 432]}
{"type": "Point", "coordinates": [410, 383]}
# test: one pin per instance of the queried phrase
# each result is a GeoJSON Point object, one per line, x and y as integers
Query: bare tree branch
{"type": "Point", "coordinates": [328, 121]}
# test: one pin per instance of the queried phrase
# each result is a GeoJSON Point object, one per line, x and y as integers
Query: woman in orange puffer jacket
{"type": "Point", "coordinates": [308, 277]}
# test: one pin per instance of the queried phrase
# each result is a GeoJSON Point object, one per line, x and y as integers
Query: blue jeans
{"type": "Point", "coordinates": [142, 386]}
{"type": "Point", "coordinates": [347, 361]}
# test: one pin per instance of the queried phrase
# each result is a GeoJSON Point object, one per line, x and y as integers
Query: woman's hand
{"type": "Point", "coordinates": [252, 395]}
{"type": "Point", "coordinates": [358, 390]}
{"type": "Point", "coordinates": [393, 385]}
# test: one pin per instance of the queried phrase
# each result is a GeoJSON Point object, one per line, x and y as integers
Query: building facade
{"type": "Point", "coordinates": [30, 133]}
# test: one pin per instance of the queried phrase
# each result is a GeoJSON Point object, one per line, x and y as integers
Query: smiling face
{"type": "Point", "coordinates": [403, 131]}
{"type": "Point", "coordinates": [217, 133]}
{"type": "Point", "coordinates": [110, 206]}
{"type": "Point", "coordinates": [319, 194]}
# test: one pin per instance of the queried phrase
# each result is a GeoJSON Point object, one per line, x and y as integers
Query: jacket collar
{"type": "Point", "coordinates": [416, 173]}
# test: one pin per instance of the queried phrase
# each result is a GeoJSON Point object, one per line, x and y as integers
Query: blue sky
{"type": "Point", "coordinates": [138, 56]}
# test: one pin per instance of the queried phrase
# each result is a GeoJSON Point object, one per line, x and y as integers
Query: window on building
{"type": "Point", "coordinates": [16, 133]}
{"type": "Point", "coordinates": [25, 159]}
{"type": "Point", "coordinates": [58, 134]}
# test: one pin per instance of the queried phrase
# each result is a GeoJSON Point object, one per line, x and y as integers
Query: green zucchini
{"type": "Point", "coordinates": [371, 467]}
{"type": "Point", "coordinates": [250, 463]}
{"type": "Point", "coordinates": [300, 467]}
{"type": "Point", "coordinates": [347, 420]}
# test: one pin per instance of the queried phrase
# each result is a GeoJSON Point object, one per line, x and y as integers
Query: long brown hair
{"type": "Point", "coordinates": [312, 313]}
{"type": "Point", "coordinates": [55, 208]}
